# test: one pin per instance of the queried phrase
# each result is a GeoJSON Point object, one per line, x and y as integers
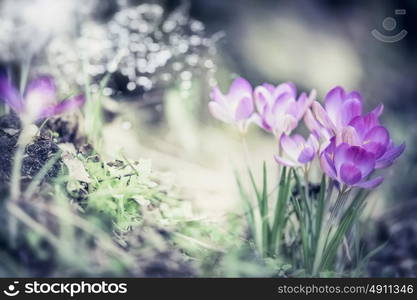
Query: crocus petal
{"type": "Point", "coordinates": [256, 118]}
{"type": "Point", "coordinates": [261, 121]}
{"type": "Point", "coordinates": [389, 156]}
{"type": "Point", "coordinates": [284, 161]}
{"type": "Point", "coordinates": [10, 95]}
{"type": "Point", "coordinates": [376, 141]}
{"type": "Point", "coordinates": [312, 97]}
{"type": "Point", "coordinates": [302, 105]}
{"type": "Point", "coordinates": [378, 110]}
{"type": "Point", "coordinates": [219, 112]}
{"type": "Point", "coordinates": [290, 147]}
{"type": "Point", "coordinates": [370, 184]}
{"type": "Point", "coordinates": [322, 117]}
{"type": "Point", "coordinates": [341, 155]}
{"type": "Point", "coordinates": [306, 155]}
{"type": "Point", "coordinates": [371, 120]}
{"type": "Point", "coordinates": [313, 141]}
{"type": "Point", "coordinates": [240, 88]}
{"type": "Point", "coordinates": [304, 102]}
{"type": "Point", "coordinates": [63, 106]}
{"type": "Point", "coordinates": [262, 97]}
{"type": "Point", "coordinates": [269, 87]}
{"type": "Point", "coordinates": [354, 95]}
{"type": "Point", "coordinates": [349, 136]}
{"type": "Point", "coordinates": [244, 109]}
{"type": "Point", "coordinates": [378, 134]}
{"type": "Point", "coordinates": [333, 102]}
{"type": "Point", "coordinates": [42, 87]}
{"type": "Point", "coordinates": [327, 165]}
{"type": "Point", "coordinates": [351, 108]}
{"type": "Point", "coordinates": [285, 88]}
{"type": "Point", "coordinates": [216, 95]}
{"type": "Point", "coordinates": [362, 159]}
{"type": "Point", "coordinates": [376, 148]}
{"type": "Point", "coordinates": [266, 120]}
{"type": "Point", "coordinates": [358, 123]}
{"type": "Point", "coordinates": [350, 174]}
{"type": "Point", "coordinates": [282, 104]}
{"type": "Point", "coordinates": [40, 95]}
{"type": "Point", "coordinates": [311, 122]}
{"type": "Point", "coordinates": [287, 124]}
{"type": "Point", "coordinates": [299, 140]}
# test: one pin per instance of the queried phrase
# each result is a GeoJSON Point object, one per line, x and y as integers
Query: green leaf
{"type": "Point", "coordinates": [319, 212]}
{"type": "Point", "coordinates": [350, 216]}
{"type": "Point", "coordinates": [305, 221]}
{"type": "Point", "coordinates": [255, 188]}
{"type": "Point", "coordinates": [280, 210]}
{"type": "Point", "coordinates": [264, 209]}
{"type": "Point", "coordinates": [248, 206]}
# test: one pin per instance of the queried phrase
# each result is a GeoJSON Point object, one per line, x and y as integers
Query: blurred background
{"type": "Point", "coordinates": [156, 61]}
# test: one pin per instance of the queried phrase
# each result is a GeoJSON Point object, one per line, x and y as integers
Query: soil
{"type": "Point", "coordinates": [36, 154]}
{"type": "Point", "coordinates": [155, 254]}
{"type": "Point", "coordinates": [398, 257]}
{"type": "Point", "coordinates": [66, 129]}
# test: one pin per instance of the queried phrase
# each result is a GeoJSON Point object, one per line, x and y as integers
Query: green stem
{"type": "Point", "coordinates": [340, 201]}
{"type": "Point", "coordinates": [318, 253]}
{"type": "Point", "coordinates": [17, 165]}
{"type": "Point", "coordinates": [245, 148]}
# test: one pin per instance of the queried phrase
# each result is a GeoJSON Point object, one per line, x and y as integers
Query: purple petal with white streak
{"type": "Point", "coordinates": [284, 161]}
{"type": "Point", "coordinates": [333, 102]}
{"type": "Point", "coordinates": [322, 116]}
{"type": "Point", "coordinates": [306, 155]}
{"type": "Point", "coordinates": [362, 159]}
{"type": "Point", "coordinates": [351, 108]}
{"type": "Point", "coordinates": [285, 88]}
{"type": "Point", "coordinates": [41, 89]}
{"type": "Point", "coordinates": [244, 109]}
{"type": "Point", "coordinates": [219, 112]}
{"type": "Point", "coordinates": [290, 146]}
{"type": "Point", "coordinates": [389, 156]}
{"type": "Point", "coordinates": [376, 141]}
{"type": "Point", "coordinates": [63, 106]}
{"type": "Point", "coordinates": [217, 95]}
{"type": "Point", "coordinates": [327, 165]}
{"type": "Point", "coordinates": [371, 184]}
{"type": "Point", "coordinates": [350, 136]}
{"type": "Point", "coordinates": [262, 97]}
{"type": "Point", "coordinates": [350, 174]}
{"type": "Point", "coordinates": [378, 110]}
{"type": "Point", "coordinates": [240, 88]}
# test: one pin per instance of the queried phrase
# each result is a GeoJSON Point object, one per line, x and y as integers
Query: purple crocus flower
{"type": "Point", "coordinates": [366, 131]}
{"type": "Point", "coordinates": [342, 118]}
{"type": "Point", "coordinates": [39, 100]}
{"type": "Point", "coordinates": [349, 165]}
{"type": "Point", "coordinates": [236, 107]}
{"type": "Point", "coordinates": [339, 109]}
{"type": "Point", "coordinates": [279, 111]}
{"type": "Point", "coordinates": [297, 150]}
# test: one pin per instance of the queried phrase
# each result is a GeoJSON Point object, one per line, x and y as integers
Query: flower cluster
{"type": "Point", "coordinates": [349, 144]}
{"type": "Point", "coordinates": [38, 101]}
